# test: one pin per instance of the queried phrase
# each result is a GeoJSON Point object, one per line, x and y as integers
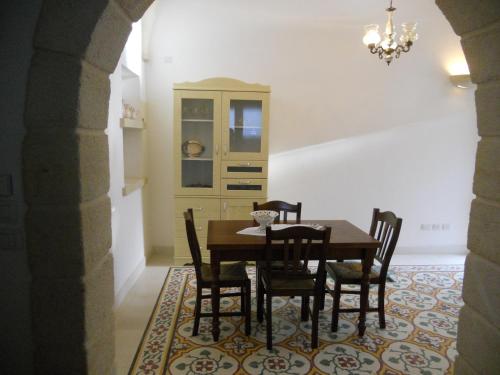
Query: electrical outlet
{"type": "Point", "coordinates": [435, 227]}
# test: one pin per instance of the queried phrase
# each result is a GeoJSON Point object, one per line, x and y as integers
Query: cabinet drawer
{"type": "Point", "coordinates": [182, 247]}
{"type": "Point", "coordinates": [201, 226]}
{"type": "Point", "coordinates": [244, 187]}
{"type": "Point", "coordinates": [202, 207]}
{"type": "Point", "coordinates": [244, 169]}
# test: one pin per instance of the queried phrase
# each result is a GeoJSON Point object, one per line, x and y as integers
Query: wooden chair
{"type": "Point", "coordinates": [282, 208]}
{"type": "Point", "coordinates": [385, 227]}
{"type": "Point", "coordinates": [295, 278]}
{"type": "Point", "coordinates": [231, 276]}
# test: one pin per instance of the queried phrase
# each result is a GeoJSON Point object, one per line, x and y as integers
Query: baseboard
{"type": "Point", "coordinates": [163, 250]}
{"type": "Point", "coordinates": [148, 251]}
{"type": "Point", "coordinates": [436, 250]}
{"type": "Point", "coordinates": [129, 283]}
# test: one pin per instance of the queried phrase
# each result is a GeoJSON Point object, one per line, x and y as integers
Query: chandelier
{"type": "Point", "coordinates": [387, 48]}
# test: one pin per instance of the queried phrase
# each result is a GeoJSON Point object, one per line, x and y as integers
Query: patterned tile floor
{"type": "Point", "coordinates": [421, 311]}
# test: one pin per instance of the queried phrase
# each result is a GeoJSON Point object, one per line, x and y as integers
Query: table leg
{"type": "Point", "coordinates": [367, 263]}
{"type": "Point", "coordinates": [215, 265]}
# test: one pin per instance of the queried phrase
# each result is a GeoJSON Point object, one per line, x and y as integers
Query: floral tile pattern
{"type": "Point", "coordinates": [422, 305]}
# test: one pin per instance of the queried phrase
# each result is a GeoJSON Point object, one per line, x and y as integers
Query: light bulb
{"type": "Point", "coordinates": [409, 33]}
{"type": "Point", "coordinates": [372, 35]}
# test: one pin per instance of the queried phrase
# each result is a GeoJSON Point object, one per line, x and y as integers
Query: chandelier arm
{"type": "Point", "coordinates": [398, 50]}
{"type": "Point", "coordinates": [380, 53]}
{"type": "Point", "coordinates": [406, 47]}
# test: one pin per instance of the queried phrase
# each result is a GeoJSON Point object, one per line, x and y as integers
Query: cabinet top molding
{"type": "Point", "coordinates": [222, 84]}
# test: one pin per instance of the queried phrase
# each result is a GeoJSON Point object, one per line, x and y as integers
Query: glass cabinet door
{"type": "Point", "coordinates": [197, 125]}
{"type": "Point", "coordinates": [245, 125]}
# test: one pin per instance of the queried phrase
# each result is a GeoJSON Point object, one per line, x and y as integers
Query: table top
{"type": "Point", "coordinates": [222, 235]}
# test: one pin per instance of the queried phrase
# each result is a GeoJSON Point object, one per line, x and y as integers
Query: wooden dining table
{"type": "Point", "coordinates": [346, 242]}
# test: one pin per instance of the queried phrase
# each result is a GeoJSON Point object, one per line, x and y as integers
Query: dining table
{"type": "Point", "coordinates": [347, 242]}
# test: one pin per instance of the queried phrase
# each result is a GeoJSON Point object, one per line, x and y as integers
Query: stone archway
{"type": "Point", "coordinates": [478, 24]}
{"type": "Point", "coordinates": [66, 178]}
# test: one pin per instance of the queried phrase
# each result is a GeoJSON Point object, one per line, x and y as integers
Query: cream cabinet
{"type": "Point", "coordinates": [221, 137]}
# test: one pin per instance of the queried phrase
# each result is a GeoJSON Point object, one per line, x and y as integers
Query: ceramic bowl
{"type": "Point", "coordinates": [264, 217]}
{"type": "Point", "coordinates": [192, 148]}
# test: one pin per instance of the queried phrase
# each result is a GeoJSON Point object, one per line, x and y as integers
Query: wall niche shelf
{"type": "Point", "coordinates": [129, 123]}
{"type": "Point", "coordinates": [133, 184]}
{"type": "Point", "coordinates": [133, 125]}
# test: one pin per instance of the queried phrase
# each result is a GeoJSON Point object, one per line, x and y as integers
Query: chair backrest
{"type": "Point", "coordinates": [297, 242]}
{"type": "Point", "coordinates": [194, 246]}
{"type": "Point", "coordinates": [385, 228]}
{"type": "Point", "coordinates": [282, 208]}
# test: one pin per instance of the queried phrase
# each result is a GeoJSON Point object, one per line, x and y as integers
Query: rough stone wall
{"type": "Point", "coordinates": [478, 23]}
{"type": "Point", "coordinates": [66, 178]}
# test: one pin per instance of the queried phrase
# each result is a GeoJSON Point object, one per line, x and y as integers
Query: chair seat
{"type": "Point", "coordinates": [228, 272]}
{"type": "Point", "coordinates": [349, 271]}
{"type": "Point", "coordinates": [275, 264]}
{"type": "Point", "coordinates": [289, 284]}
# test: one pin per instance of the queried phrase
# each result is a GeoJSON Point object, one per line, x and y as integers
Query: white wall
{"type": "Point", "coordinates": [398, 137]}
{"type": "Point", "coordinates": [127, 211]}
{"type": "Point", "coordinates": [416, 170]}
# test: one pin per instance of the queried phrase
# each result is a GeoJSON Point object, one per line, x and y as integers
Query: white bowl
{"type": "Point", "coordinates": [264, 217]}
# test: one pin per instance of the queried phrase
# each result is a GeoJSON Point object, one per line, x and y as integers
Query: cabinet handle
{"type": "Point", "coordinates": [245, 182]}
{"type": "Point", "coordinates": [224, 206]}
{"type": "Point", "coordinates": [225, 150]}
{"type": "Point", "coordinates": [245, 164]}
{"type": "Point", "coordinates": [199, 228]}
{"type": "Point", "coordinates": [217, 150]}
{"type": "Point", "coordinates": [198, 209]}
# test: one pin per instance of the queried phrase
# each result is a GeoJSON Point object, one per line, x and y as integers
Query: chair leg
{"type": "Point", "coordinates": [336, 306]}
{"type": "Point", "coordinates": [304, 310]}
{"type": "Point", "coordinates": [381, 312]}
{"type": "Point", "coordinates": [197, 311]}
{"type": "Point", "coordinates": [315, 319]}
{"type": "Point", "coordinates": [248, 307]}
{"type": "Point", "coordinates": [242, 298]}
{"type": "Point", "coordinates": [260, 298]}
{"type": "Point", "coordinates": [269, 322]}
{"type": "Point", "coordinates": [322, 297]}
